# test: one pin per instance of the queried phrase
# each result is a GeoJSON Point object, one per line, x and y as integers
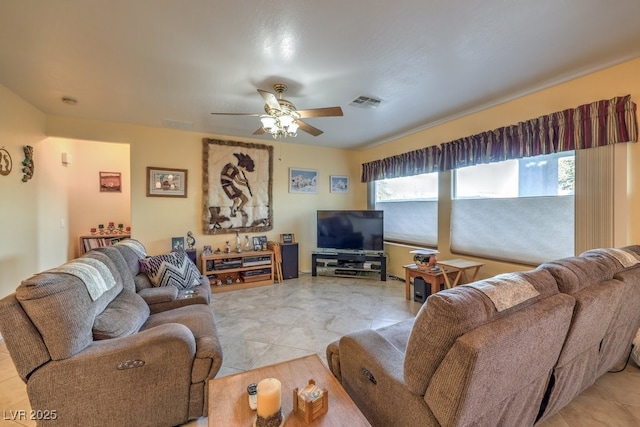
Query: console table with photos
{"type": "Point", "coordinates": [238, 270]}
{"type": "Point", "coordinates": [350, 264]}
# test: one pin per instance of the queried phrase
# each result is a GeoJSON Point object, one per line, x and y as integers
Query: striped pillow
{"type": "Point", "coordinates": [174, 268]}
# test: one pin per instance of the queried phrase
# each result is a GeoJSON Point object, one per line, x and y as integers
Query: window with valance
{"type": "Point", "coordinates": [597, 124]}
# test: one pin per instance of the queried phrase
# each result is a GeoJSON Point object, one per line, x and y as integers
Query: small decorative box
{"type": "Point", "coordinates": [311, 401]}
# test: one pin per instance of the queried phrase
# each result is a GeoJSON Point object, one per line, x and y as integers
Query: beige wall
{"type": "Point", "coordinates": [614, 81]}
{"type": "Point", "coordinates": [155, 219]}
{"type": "Point", "coordinates": [20, 124]}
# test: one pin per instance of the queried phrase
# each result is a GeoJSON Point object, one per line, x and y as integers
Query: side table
{"type": "Point", "coordinates": [460, 267]}
{"type": "Point", "coordinates": [434, 278]}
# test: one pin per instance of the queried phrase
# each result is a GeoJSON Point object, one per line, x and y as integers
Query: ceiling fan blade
{"type": "Point", "coordinates": [270, 99]}
{"type": "Point", "coordinates": [259, 131]}
{"type": "Point", "coordinates": [321, 112]}
{"type": "Point", "coordinates": [237, 114]}
{"type": "Point", "coordinates": [308, 128]}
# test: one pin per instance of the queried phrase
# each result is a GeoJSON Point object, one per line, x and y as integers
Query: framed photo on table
{"type": "Point", "coordinates": [287, 238]}
{"type": "Point", "coordinates": [166, 182]}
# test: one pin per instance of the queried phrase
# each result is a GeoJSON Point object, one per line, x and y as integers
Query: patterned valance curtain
{"type": "Point", "coordinates": [424, 160]}
{"type": "Point", "coordinates": [587, 126]}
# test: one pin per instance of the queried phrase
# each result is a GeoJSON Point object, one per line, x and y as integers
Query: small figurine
{"type": "Point", "coordinates": [191, 241]}
{"type": "Point", "coordinates": [238, 247]}
{"type": "Point", "coordinates": [27, 163]}
{"type": "Point", "coordinates": [227, 248]}
{"type": "Point", "coordinates": [247, 247]}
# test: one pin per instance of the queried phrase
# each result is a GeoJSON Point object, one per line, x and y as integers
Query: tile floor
{"type": "Point", "coordinates": [266, 325]}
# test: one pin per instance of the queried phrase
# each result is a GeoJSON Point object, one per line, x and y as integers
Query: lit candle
{"type": "Point", "coordinates": [269, 391]}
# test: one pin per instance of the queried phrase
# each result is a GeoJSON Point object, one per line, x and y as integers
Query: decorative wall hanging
{"type": "Point", "coordinates": [110, 182]}
{"type": "Point", "coordinates": [303, 180]}
{"type": "Point", "coordinates": [339, 184]}
{"type": "Point", "coordinates": [237, 186]}
{"type": "Point", "coordinates": [27, 163]}
{"type": "Point", "coordinates": [166, 182]}
{"type": "Point", "coordinates": [6, 164]}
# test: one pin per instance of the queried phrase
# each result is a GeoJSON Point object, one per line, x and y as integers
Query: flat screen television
{"type": "Point", "coordinates": [351, 230]}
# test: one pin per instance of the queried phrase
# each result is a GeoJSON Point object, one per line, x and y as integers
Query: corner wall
{"type": "Point", "coordinates": [20, 124]}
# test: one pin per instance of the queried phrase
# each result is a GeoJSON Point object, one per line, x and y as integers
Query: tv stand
{"type": "Point", "coordinates": [350, 264]}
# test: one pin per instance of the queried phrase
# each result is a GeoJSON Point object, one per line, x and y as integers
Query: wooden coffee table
{"type": "Point", "coordinates": [229, 406]}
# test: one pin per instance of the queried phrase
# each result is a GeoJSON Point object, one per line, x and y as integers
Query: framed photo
{"type": "Point", "coordinates": [166, 182]}
{"type": "Point", "coordinates": [110, 182]}
{"type": "Point", "coordinates": [339, 184]}
{"type": "Point", "coordinates": [177, 244]}
{"type": "Point", "coordinates": [257, 246]}
{"type": "Point", "coordinates": [287, 238]}
{"type": "Point", "coordinates": [303, 180]}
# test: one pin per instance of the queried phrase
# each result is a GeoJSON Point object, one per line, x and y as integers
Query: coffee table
{"type": "Point", "coordinates": [229, 406]}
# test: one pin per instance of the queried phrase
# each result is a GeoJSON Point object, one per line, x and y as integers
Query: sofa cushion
{"type": "Point", "coordinates": [123, 316]}
{"type": "Point", "coordinates": [576, 273]}
{"type": "Point", "coordinates": [132, 250]}
{"type": "Point", "coordinates": [449, 314]}
{"type": "Point", "coordinates": [121, 264]}
{"type": "Point", "coordinates": [62, 310]}
{"type": "Point", "coordinates": [174, 268]}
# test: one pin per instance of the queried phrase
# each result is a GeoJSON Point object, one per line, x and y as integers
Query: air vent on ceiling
{"type": "Point", "coordinates": [177, 124]}
{"type": "Point", "coordinates": [366, 102]}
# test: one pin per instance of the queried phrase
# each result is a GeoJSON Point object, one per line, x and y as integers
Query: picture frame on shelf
{"type": "Point", "coordinates": [166, 182]}
{"type": "Point", "coordinates": [177, 244]}
{"type": "Point", "coordinates": [303, 180]}
{"type": "Point", "coordinates": [257, 246]}
{"type": "Point", "coordinates": [110, 182]}
{"type": "Point", "coordinates": [287, 238]}
{"type": "Point", "coordinates": [339, 184]}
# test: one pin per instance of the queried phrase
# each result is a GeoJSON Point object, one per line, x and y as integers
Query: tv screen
{"type": "Point", "coordinates": [354, 230]}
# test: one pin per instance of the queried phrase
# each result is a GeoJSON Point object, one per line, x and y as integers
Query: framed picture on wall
{"type": "Point", "coordinates": [339, 184]}
{"type": "Point", "coordinates": [166, 182]}
{"type": "Point", "coordinates": [110, 182]}
{"type": "Point", "coordinates": [303, 180]}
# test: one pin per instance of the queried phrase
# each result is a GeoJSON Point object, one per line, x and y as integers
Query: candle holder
{"type": "Point", "coordinates": [310, 402]}
{"type": "Point", "coordinates": [269, 404]}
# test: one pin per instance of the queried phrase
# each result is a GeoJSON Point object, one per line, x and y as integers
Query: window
{"type": "Point", "coordinates": [410, 206]}
{"type": "Point", "coordinates": [518, 210]}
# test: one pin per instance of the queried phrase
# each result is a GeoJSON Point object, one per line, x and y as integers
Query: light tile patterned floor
{"type": "Point", "coordinates": [266, 325]}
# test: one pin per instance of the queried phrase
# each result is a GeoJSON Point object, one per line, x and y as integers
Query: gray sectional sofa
{"type": "Point", "coordinates": [506, 351]}
{"type": "Point", "coordinates": [95, 353]}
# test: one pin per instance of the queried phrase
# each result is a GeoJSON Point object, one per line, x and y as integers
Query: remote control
{"type": "Point", "coordinates": [252, 391]}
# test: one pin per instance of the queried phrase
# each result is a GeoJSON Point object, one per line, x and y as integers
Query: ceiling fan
{"type": "Point", "coordinates": [282, 118]}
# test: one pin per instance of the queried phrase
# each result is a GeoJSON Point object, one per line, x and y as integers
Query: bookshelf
{"type": "Point", "coordinates": [230, 271]}
{"type": "Point", "coordinates": [92, 241]}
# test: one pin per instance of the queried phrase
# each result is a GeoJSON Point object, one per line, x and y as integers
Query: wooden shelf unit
{"type": "Point", "coordinates": [92, 241]}
{"type": "Point", "coordinates": [219, 266]}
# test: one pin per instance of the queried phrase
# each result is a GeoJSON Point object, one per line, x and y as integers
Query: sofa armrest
{"type": "Point", "coordinates": [148, 369]}
{"type": "Point", "coordinates": [372, 373]}
{"type": "Point", "coordinates": [159, 295]}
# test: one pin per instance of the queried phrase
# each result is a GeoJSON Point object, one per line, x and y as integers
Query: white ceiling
{"type": "Point", "coordinates": [147, 61]}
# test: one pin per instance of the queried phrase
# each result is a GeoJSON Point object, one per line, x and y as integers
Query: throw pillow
{"type": "Point", "coordinates": [174, 268]}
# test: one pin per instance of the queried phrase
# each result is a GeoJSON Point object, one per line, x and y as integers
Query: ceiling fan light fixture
{"type": "Point", "coordinates": [268, 123]}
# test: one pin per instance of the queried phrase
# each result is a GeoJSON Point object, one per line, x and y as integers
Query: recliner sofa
{"type": "Point", "coordinates": [483, 355]}
{"type": "Point", "coordinates": [102, 358]}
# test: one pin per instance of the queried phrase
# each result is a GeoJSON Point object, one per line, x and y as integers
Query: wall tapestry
{"type": "Point", "coordinates": [237, 186]}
